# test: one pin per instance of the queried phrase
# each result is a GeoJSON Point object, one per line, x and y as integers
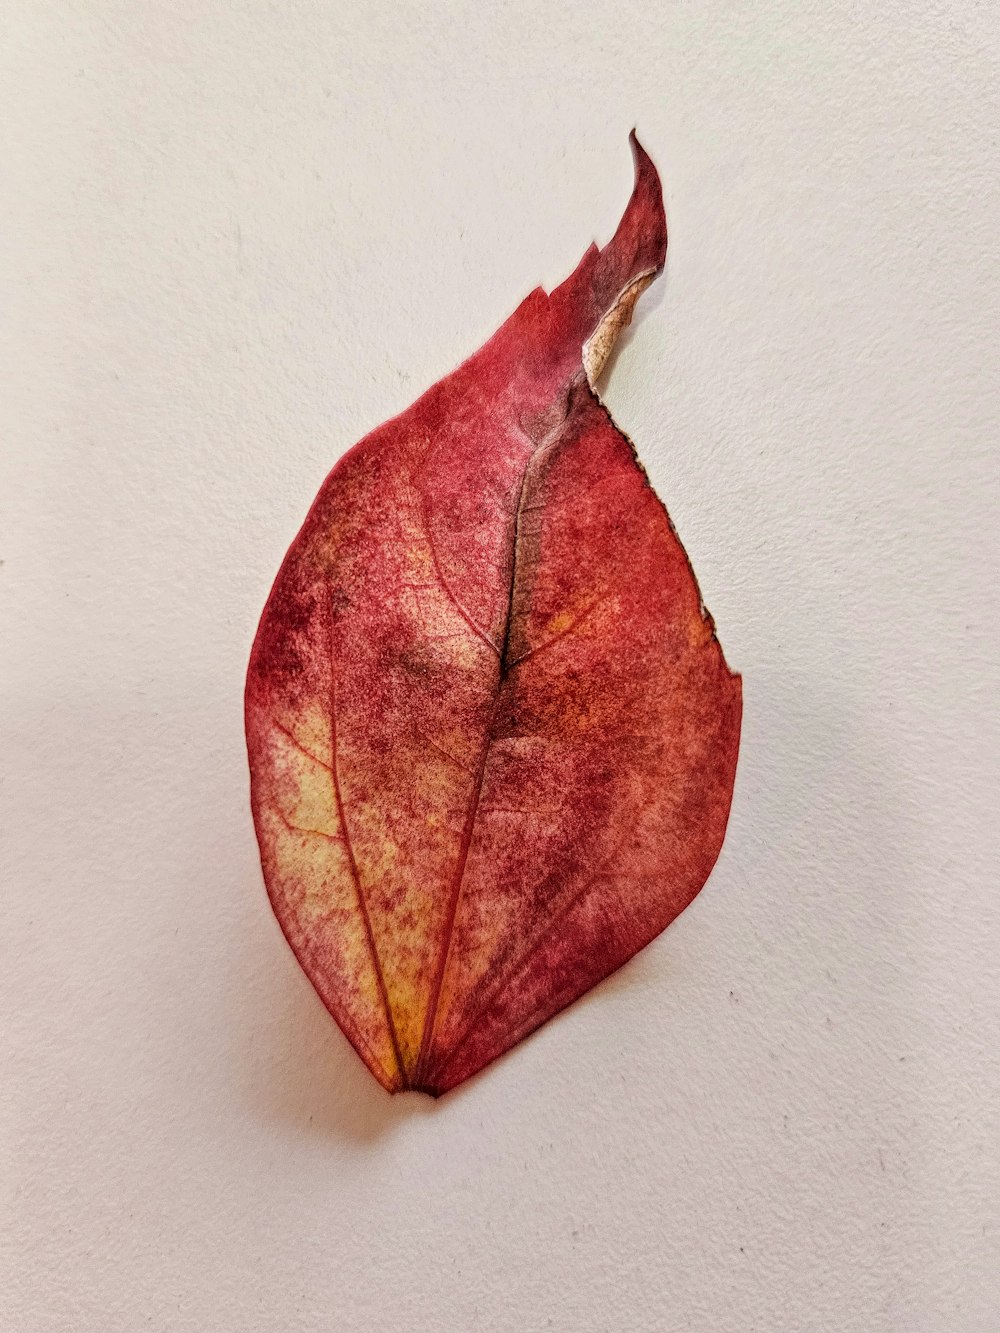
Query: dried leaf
{"type": "Point", "coordinates": [492, 735]}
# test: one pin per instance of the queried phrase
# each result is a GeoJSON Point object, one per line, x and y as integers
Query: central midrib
{"type": "Point", "coordinates": [474, 797]}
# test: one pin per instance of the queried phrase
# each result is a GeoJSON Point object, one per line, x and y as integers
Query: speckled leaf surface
{"type": "Point", "coordinates": [492, 735]}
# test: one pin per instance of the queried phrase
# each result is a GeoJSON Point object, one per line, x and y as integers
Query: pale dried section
{"type": "Point", "coordinates": [598, 346]}
{"type": "Point", "coordinates": [311, 878]}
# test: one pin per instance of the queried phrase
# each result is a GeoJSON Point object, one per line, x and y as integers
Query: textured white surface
{"type": "Point", "coordinates": [238, 236]}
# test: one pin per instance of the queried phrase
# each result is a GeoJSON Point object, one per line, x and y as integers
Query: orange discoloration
{"type": "Point", "coordinates": [492, 735]}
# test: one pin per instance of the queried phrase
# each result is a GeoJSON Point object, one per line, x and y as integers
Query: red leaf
{"type": "Point", "coordinates": [492, 735]}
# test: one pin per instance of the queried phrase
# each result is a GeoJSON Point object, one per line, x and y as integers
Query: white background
{"type": "Point", "coordinates": [239, 236]}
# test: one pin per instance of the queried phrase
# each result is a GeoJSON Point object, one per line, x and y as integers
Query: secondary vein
{"type": "Point", "coordinates": [349, 848]}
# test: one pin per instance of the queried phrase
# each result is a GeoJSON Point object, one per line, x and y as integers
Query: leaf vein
{"type": "Point", "coordinates": [349, 848]}
{"type": "Point", "coordinates": [446, 588]}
